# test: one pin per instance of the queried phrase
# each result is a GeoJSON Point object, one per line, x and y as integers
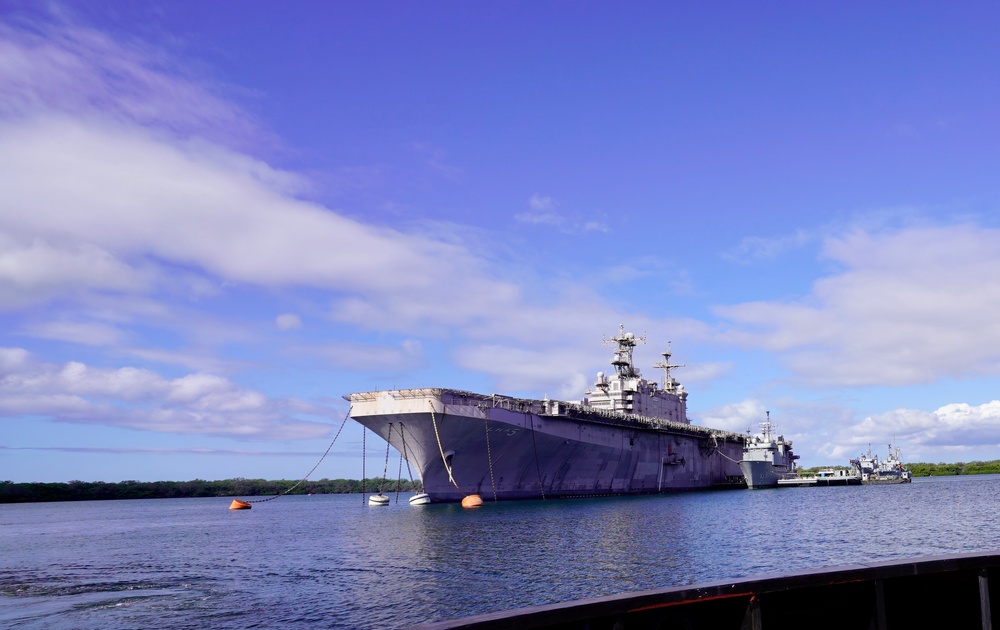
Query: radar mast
{"type": "Point", "coordinates": [670, 384]}
{"type": "Point", "coordinates": [622, 358]}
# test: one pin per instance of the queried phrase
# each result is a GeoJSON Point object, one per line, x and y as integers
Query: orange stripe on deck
{"type": "Point", "coordinates": [692, 601]}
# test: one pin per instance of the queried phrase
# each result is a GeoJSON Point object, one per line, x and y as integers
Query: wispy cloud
{"type": "Point", "coordinates": [288, 321]}
{"type": "Point", "coordinates": [57, 67]}
{"type": "Point", "coordinates": [142, 399]}
{"type": "Point", "coordinates": [361, 356]}
{"type": "Point", "coordinates": [908, 306]}
{"type": "Point", "coordinates": [948, 433]}
{"type": "Point", "coordinates": [542, 211]}
{"type": "Point", "coordinates": [756, 248]}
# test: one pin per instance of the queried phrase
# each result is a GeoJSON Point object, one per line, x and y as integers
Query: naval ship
{"type": "Point", "coordinates": [628, 435]}
{"type": "Point", "coordinates": [767, 459]}
{"type": "Point", "coordinates": [887, 471]}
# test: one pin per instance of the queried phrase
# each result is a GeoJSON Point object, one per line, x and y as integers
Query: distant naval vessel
{"type": "Point", "coordinates": [767, 459]}
{"type": "Point", "coordinates": [887, 471]}
{"type": "Point", "coordinates": [628, 435]}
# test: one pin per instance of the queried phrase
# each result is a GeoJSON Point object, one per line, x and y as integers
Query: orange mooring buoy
{"type": "Point", "coordinates": [239, 505]}
{"type": "Point", "coordinates": [471, 501]}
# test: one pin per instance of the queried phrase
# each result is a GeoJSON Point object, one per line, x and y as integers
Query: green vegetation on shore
{"type": "Point", "coordinates": [99, 490]}
{"type": "Point", "coordinates": [923, 469]}
{"type": "Point", "coordinates": [11, 492]}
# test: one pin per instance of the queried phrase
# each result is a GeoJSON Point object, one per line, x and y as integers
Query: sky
{"type": "Point", "coordinates": [218, 218]}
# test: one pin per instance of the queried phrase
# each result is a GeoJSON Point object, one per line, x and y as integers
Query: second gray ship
{"type": "Point", "coordinates": [628, 435]}
{"type": "Point", "coordinates": [767, 459]}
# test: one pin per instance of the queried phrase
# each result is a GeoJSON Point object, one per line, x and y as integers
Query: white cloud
{"type": "Point", "coordinates": [908, 307]}
{"type": "Point", "coordinates": [142, 399]}
{"type": "Point", "coordinates": [737, 417]}
{"type": "Point", "coordinates": [34, 271]}
{"type": "Point", "coordinates": [85, 333]}
{"type": "Point", "coordinates": [126, 197]}
{"type": "Point", "coordinates": [557, 372]}
{"type": "Point", "coordinates": [288, 321]}
{"type": "Point", "coordinates": [540, 203]}
{"type": "Point", "coordinates": [542, 211]}
{"type": "Point", "coordinates": [753, 248]}
{"type": "Point", "coordinates": [82, 71]}
{"type": "Point", "coordinates": [11, 359]}
{"type": "Point", "coordinates": [362, 356]}
{"type": "Point", "coordinates": [596, 226]}
{"type": "Point", "coordinates": [951, 432]}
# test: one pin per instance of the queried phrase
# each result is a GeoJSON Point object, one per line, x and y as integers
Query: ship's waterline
{"type": "Point", "coordinates": [628, 435]}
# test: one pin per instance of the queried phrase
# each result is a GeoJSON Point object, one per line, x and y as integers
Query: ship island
{"type": "Point", "coordinates": [627, 435]}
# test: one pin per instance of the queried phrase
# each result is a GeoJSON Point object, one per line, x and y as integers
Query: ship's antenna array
{"type": "Point", "coordinates": [669, 382]}
{"type": "Point", "coordinates": [622, 358]}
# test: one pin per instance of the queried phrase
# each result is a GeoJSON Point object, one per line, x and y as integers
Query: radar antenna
{"type": "Point", "coordinates": [622, 358]}
{"type": "Point", "coordinates": [669, 382]}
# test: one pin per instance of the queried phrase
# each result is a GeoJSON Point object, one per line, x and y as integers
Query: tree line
{"type": "Point", "coordinates": [11, 492]}
{"type": "Point", "coordinates": [924, 469]}
{"type": "Point", "coordinates": [76, 490]}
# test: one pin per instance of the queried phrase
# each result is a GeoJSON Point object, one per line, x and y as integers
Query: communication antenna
{"type": "Point", "coordinates": [669, 382]}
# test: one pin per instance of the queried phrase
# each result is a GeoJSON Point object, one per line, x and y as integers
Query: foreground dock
{"type": "Point", "coordinates": [937, 592]}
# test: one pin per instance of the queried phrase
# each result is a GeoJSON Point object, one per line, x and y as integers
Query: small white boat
{"type": "Point", "coordinates": [420, 498]}
{"type": "Point", "coordinates": [378, 499]}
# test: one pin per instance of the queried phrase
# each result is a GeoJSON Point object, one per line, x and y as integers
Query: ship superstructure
{"type": "Point", "coordinates": [627, 435]}
{"type": "Point", "coordinates": [766, 458]}
{"type": "Point", "coordinates": [889, 470]}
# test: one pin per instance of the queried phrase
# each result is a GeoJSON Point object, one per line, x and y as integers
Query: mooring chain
{"type": "Point", "coordinates": [719, 451]}
{"type": "Point", "coordinates": [399, 471]}
{"type": "Point", "coordinates": [534, 447]}
{"type": "Point", "coordinates": [385, 469]}
{"type": "Point", "coordinates": [402, 436]}
{"type": "Point", "coordinates": [364, 435]}
{"type": "Point", "coordinates": [489, 455]}
{"type": "Point", "coordinates": [437, 435]}
{"type": "Point", "coordinates": [300, 482]}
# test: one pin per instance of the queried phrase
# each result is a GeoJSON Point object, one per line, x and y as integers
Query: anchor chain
{"type": "Point", "coordinates": [301, 481]}
{"type": "Point", "coordinates": [385, 469]}
{"type": "Point", "coordinates": [402, 436]}
{"type": "Point", "coordinates": [489, 455]}
{"type": "Point", "coordinates": [364, 435]}
{"type": "Point", "coordinates": [399, 472]}
{"type": "Point", "coordinates": [534, 447]}
{"type": "Point", "coordinates": [444, 459]}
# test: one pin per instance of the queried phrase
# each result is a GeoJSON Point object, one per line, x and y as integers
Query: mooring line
{"type": "Point", "coordinates": [444, 459]}
{"type": "Point", "coordinates": [322, 457]}
{"type": "Point", "coordinates": [534, 447]}
{"type": "Point", "coordinates": [489, 455]}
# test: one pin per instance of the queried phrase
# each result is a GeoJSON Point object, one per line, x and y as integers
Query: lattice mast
{"type": "Point", "coordinates": [622, 358]}
{"type": "Point", "coordinates": [670, 384]}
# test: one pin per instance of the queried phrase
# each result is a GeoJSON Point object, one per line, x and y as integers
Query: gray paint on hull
{"type": "Point", "coordinates": [535, 456]}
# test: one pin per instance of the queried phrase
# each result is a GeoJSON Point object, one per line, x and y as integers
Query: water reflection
{"type": "Point", "coordinates": [331, 560]}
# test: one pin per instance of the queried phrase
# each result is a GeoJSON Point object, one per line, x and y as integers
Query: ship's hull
{"type": "Point", "coordinates": [759, 474]}
{"type": "Point", "coordinates": [763, 474]}
{"type": "Point", "coordinates": [878, 480]}
{"type": "Point", "coordinates": [502, 448]}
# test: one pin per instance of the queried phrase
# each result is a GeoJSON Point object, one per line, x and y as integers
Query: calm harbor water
{"type": "Point", "coordinates": [331, 561]}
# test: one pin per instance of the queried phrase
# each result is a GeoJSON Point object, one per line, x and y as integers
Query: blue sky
{"type": "Point", "coordinates": [216, 219]}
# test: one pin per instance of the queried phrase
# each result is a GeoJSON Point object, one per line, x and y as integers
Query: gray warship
{"type": "Point", "coordinates": [628, 435]}
{"type": "Point", "coordinates": [767, 459]}
{"type": "Point", "coordinates": [887, 471]}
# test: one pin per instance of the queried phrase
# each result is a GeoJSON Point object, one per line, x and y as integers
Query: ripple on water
{"type": "Point", "coordinates": [331, 561]}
